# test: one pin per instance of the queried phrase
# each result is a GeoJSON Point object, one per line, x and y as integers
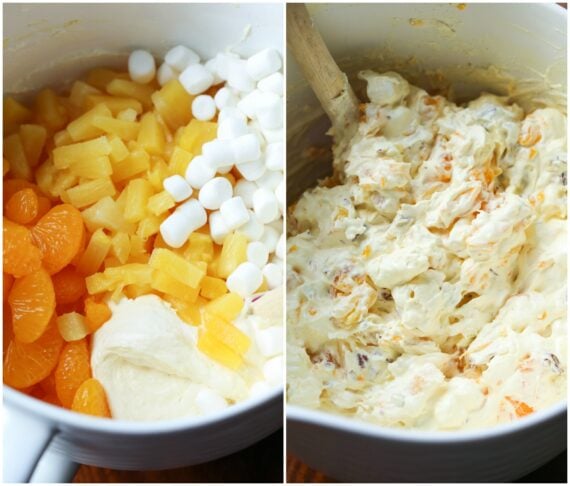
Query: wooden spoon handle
{"type": "Point", "coordinates": [328, 82]}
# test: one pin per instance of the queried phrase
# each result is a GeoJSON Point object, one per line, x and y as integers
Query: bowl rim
{"type": "Point", "coordinates": [62, 417]}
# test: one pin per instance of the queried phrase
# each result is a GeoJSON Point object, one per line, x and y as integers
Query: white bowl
{"type": "Point", "coordinates": [525, 41]}
{"type": "Point", "coordinates": [50, 44]}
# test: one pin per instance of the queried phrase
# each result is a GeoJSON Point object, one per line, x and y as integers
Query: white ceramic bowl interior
{"type": "Point", "coordinates": [50, 45]}
{"type": "Point", "coordinates": [517, 49]}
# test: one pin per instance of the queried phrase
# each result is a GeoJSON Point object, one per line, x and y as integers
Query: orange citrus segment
{"type": "Point", "coordinates": [20, 256]}
{"type": "Point", "coordinates": [72, 370]}
{"type": "Point", "coordinates": [91, 399]}
{"type": "Point", "coordinates": [96, 313]}
{"type": "Point", "coordinates": [69, 286]}
{"type": "Point", "coordinates": [22, 207]}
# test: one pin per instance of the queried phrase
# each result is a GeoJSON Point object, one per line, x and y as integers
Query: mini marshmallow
{"type": "Point", "coordinates": [219, 153]}
{"type": "Point", "coordinates": [165, 74]}
{"type": "Point", "coordinates": [238, 78]}
{"type": "Point", "coordinates": [263, 64]}
{"type": "Point", "coordinates": [252, 171]}
{"type": "Point", "coordinates": [280, 195]}
{"type": "Point", "coordinates": [272, 84]}
{"type": "Point", "coordinates": [209, 401]}
{"type": "Point", "coordinates": [246, 148]}
{"type": "Point", "coordinates": [245, 279]}
{"type": "Point", "coordinates": [280, 249]}
{"type": "Point", "coordinates": [225, 169]}
{"type": "Point", "coordinates": [274, 158]}
{"type": "Point", "coordinates": [249, 102]}
{"type": "Point", "coordinates": [231, 127]}
{"type": "Point", "coordinates": [187, 218]}
{"type": "Point", "coordinates": [231, 111]}
{"type": "Point", "coordinates": [259, 388]}
{"type": "Point", "coordinates": [257, 253]}
{"type": "Point", "coordinates": [269, 110]}
{"type": "Point", "coordinates": [199, 172]}
{"type": "Point", "coordinates": [180, 57]}
{"type": "Point", "coordinates": [273, 136]}
{"type": "Point", "coordinates": [265, 205]}
{"type": "Point", "coordinates": [273, 274]}
{"type": "Point", "coordinates": [203, 108]}
{"type": "Point", "coordinates": [270, 180]}
{"type": "Point", "coordinates": [270, 341]}
{"type": "Point", "coordinates": [141, 66]}
{"type": "Point", "coordinates": [218, 228]}
{"type": "Point", "coordinates": [234, 213]}
{"type": "Point", "coordinates": [245, 190]}
{"type": "Point", "coordinates": [273, 370]}
{"type": "Point", "coordinates": [196, 79]}
{"type": "Point", "coordinates": [270, 238]}
{"type": "Point", "coordinates": [212, 66]}
{"type": "Point", "coordinates": [223, 63]}
{"type": "Point", "coordinates": [215, 192]}
{"type": "Point", "coordinates": [177, 187]}
{"type": "Point", "coordinates": [253, 229]}
{"type": "Point", "coordinates": [225, 97]}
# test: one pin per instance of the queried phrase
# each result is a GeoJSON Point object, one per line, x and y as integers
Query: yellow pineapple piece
{"type": "Point", "coordinates": [138, 249]}
{"type": "Point", "coordinates": [16, 156]}
{"type": "Point", "coordinates": [14, 114]}
{"type": "Point", "coordinates": [189, 312]}
{"type": "Point", "coordinates": [79, 93]}
{"type": "Point", "coordinates": [111, 261]}
{"type": "Point", "coordinates": [33, 139]}
{"type": "Point", "coordinates": [212, 287]}
{"type": "Point", "coordinates": [151, 136]}
{"type": "Point", "coordinates": [136, 162]}
{"type": "Point", "coordinates": [138, 194]}
{"type": "Point", "coordinates": [99, 282]}
{"type": "Point", "coordinates": [149, 226]}
{"type": "Point", "coordinates": [227, 333]}
{"type": "Point", "coordinates": [106, 213]}
{"type": "Point", "coordinates": [125, 130]}
{"type": "Point", "coordinates": [199, 247]}
{"type": "Point", "coordinates": [218, 351]}
{"type": "Point", "coordinates": [160, 203]}
{"type": "Point", "coordinates": [163, 282]}
{"type": "Point", "coordinates": [131, 273]}
{"type": "Point", "coordinates": [83, 127]}
{"type": "Point", "coordinates": [127, 115]}
{"type": "Point", "coordinates": [173, 103]}
{"type": "Point", "coordinates": [63, 180]}
{"type": "Point", "coordinates": [50, 111]}
{"type": "Point", "coordinates": [179, 161]}
{"type": "Point", "coordinates": [228, 306]}
{"type": "Point", "coordinates": [62, 138]}
{"type": "Point", "coordinates": [96, 251]}
{"type": "Point", "coordinates": [157, 173]}
{"type": "Point", "coordinates": [177, 267]}
{"type": "Point", "coordinates": [196, 134]}
{"type": "Point", "coordinates": [119, 150]}
{"type": "Point", "coordinates": [90, 192]}
{"type": "Point", "coordinates": [72, 326]}
{"type": "Point", "coordinates": [130, 89]}
{"type": "Point", "coordinates": [134, 290]}
{"type": "Point", "coordinates": [114, 103]}
{"type": "Point", "coordinates": [234, 252]}
{"type": "Point", "coordinates": [45, 175]}
{"type": "Point", "coordinates": [95, 168]}
{"type": "Point", "coordinates": [101, 77]}
{"type": "Point", "coordinates": [121, 247]}
{"type": "Point", "coordinates": [64, 156]}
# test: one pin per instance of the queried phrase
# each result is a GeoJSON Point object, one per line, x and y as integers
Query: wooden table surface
{"type": "Point", "coordinates": [260, 463]}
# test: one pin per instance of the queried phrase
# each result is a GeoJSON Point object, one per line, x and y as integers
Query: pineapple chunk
{"type": "Point", "coordinates": [14, 114]}
{"type": "Point", "coordinates": [138, 194]}
{"type": "Point", "coordinates": [62, 138]}
{"type": "Point", "coordinates": [163, 282]}
{"type": "Point", "coordinates": [177, 267]}
{"type": "Point", "coordinates": [173, 103]}
{"type": "Point", "coordinates": [99, 282]}
{"type": "Point", "coordinates": [212, 287]}
{"type": "Point", "coordinates": [228, 306]}
{"type": "Point", "coordinates": [33, 140]}
{"type": "Point", "coordinates": [111, 261]}
{"type": "Point", "coordinates": [83, 128]}
{"type": "Point", "coordinates": [50, 110]}
{"type": "Point", "coordinates": [101, 77]}
{"type": "Point", "coordinates": [134, 290]}
{"type": "Point", "coordinates": [121, 247]}
{"type": "Point", "coordinates": [160, 203]}
{"type": "Point", "coordinates": [234, 252]}
{"type": "Point", "coordinates": [189, 312]}
{"type": "Point", "coordinates": [95, 168]}
{"type": "Point", "coordinates": [199, 247]}
{"type": "Point", "coordinates": [96, 251]}
{"type": "Point", "coordinates": [227, 333]}
{"type": "Point", "coordinates": [79, 92]}
{"type": "Point", "coordinates": [218, 351]}
{"type": "Point", "coordinates": [157, 173]}
{"type": "Point", "coordinates": [127, 115]}
{"type": "Point", "coordinates": [179, 161]}
{"type": "Point", "coordinates": [131, 273]}
{"type": "Point", "coordinates": [90, 192]}
{"type": "Point", "coordinates": [130, 89]}
{"type": "Point", "coordinates": [64, 156]}
{"type": "Point", "coordinates": [196, 134]}
{"type": "Point", "coordinates": [151, 136]}
{"type": "Point", "coordinates": [149, 226]}
{"type": "Point", "coordinates": [125, 130]}
{"type": "Point", "coordinates": [138, 249]}
{"type": "Point", "coordinates": [136, 162]}
{"type": "Point", "coordinates": [106, 213]}
{"type": "Point", "coordinates": [119, 150]}
{"type": "Point", "coordinates": [114, 103]}
{"type": "Point", "coordinates": [63, 180]}
{"type": "Point", "coordinates": [16, 156]}
{"type": "Point", "coordinates": [72, 326]}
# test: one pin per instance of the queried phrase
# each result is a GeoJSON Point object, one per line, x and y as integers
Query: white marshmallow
{"type": "Point", "coordinates": [196, 79]}
{"type": "Point", "coordinates": [165, 74]}
{"type": "Point", "coordinates": [280, 195]}
{"type": "Point", "coordinates": [274, 157]}
{"type": "Point", "coordinates": [269, 110]}
{"type": "Point", "coordinates": [187, 218]}
{"type": "Point", "coordinates": [263, 64]}
{"type": "Point", "coordinates": [273, 83]}
{"type": "Point", "coordinates": [270, 341]}
{"type": "Point", "coordinates": [219, 153]}
{"type": "Point", "coordinates": [246, 148]}
{"type": "Point", "coordinates": [203, 108]}
{"type": "Point", "coordinates": [225, 169]}
{"type": "Point", "coordinates": [222, 64]}
{"type": "Point", "coordinates": [265, 205]}
{"type": "Point", "coordinates": [180, 57]}
{"type": "Point", "coordinates": [218, 228]}
{"type": "Point", "coordinates": [249, 102]}
{"type": "Point", "coordinates": [177, 187]}
{"type": "Point", "coordinates": [199, 172]}
{"type": "Point", "coordinates": [270, 180]}
{"type": "Point", "coordinates": [234, 213]}
{"type": "Point", "coordinates": [141, 66]}
{"type": "Point", "coordinates": [273, 136]}
{"type": "Point", "coordinates": [225, 97]}
{"type": "Point", "coordinates": [215, 192]}
{"type": "Point", "coordinates": [231, 111]}
{"type": "Point", "coordinates": [257, 253]}
{"type": "Point", "coordinates": [253, 229]}
{"type": "Point", "coordinates": [273, 370]}
{"type": "Point", "coordinates": [270, 238]}
{"type": "Point", "coordinates": [209, 401]}
{"type": "Point", "coordinates": [273, 274]}
{"type": "Point", "coordinates": [212, 66]}
{"type": "Point", "coordinates": [238, 78]}
{"type": "Point", "coordinates": [245, 190]}
{"type": "Point", "coordinates": [231, 127]}
{"type": "Point", "coordinates": [245, 279]}
{"type": "Point", "coordinates": [280, 248]}
{"type": "Point", "coordinates": [252, 171]}
{"type": "Point", "coordinates": [259, 388]}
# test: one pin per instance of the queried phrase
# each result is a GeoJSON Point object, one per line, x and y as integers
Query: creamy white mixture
{"type": "Point", "coordinates": [426, 279]}
{"type": "Point", "coordinates": [147, 359]}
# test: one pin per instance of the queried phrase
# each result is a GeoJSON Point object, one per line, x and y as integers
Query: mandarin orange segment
{"type": "Point", "coordinates": [19, 255]}
{"type": "Point", "coordinates": [8, 331]}
{"type": "Point", "coordinates": [96, 313]}
{"type": "Point", "coordinates": [59, 235]}
{"type": "Point", "coordinates": [26, 364]}
{"type": "Point", "coordinates": [22, 207]}
{"type": "Point", "coordinates": [91, 399]}
{"type": "Point", "coordinates": [72, 370]}
{"type": "Point", "coordinates": [12, 186]}
{"type": "Point", "coordinates": [44, 205]}
{"type": "Point", "coordinates": [69, 286]}
{"type": "Point", "coordinates": [32, 300]}
{"type": "Point", "coordinates": [7, 281]}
